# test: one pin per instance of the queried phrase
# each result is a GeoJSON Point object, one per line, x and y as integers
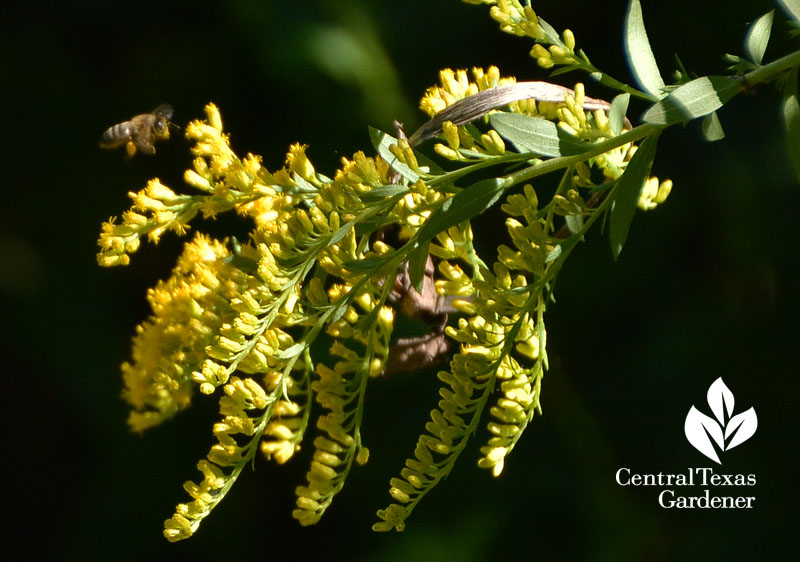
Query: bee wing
{"type": "Point", "coordinates": [164, 110]}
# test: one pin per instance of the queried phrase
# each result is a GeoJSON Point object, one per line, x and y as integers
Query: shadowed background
{"type": "Point", "coordinates": [707, 286]}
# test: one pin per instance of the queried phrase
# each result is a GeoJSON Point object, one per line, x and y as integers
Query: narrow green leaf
{"type": "Point", "coordinates": [629, 188]}
{"type": "Point", "coordinates": [790, 108]}
{"type": "Point", "coordinates": [553, 254]}
{"type": "Point", "coordinates": [712, 128]}
{"type": "Point", "coordinates": [792, 7]}
{"type": "Point", "coordinates": [640, 55]}
{"type": "Point", "coordinates": [291, 351]}
{"type": "Point", "coordinates": [536, 135]}
{"type": "Point", "coordinates": [368, 265]}
{"type": "Point", "coordinates": [417, 260]}
{"type": "Point", "coordinates": [694, 99]}
{"type": "Point", "coordinates": [617, 112]}
{"type": "Point", "coordinates": [574, 223]}
{"type": "Point", "coordinates": [383, 192]}
{"type": "Point", "coordinates": [464, 205]}
{"type": "Point", "coordinates": [427, 165]}
{"type": "Point", "coordinates": [757, 37]}
{"type": "Point", "coordinates": [382, 141]}
{"type": "Point", "coordinates": [549, 32]}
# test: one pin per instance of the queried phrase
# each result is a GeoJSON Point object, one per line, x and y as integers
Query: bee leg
{"type": "Point", "coordinates": [130, 150]}
{"type": "Point", "coordinates": [146, 146]}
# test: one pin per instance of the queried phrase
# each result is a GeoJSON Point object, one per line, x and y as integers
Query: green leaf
{"type": "Point", "coordinates": [792, 7]}
{"type": "Point", "coordinates": [574, 223]}
{"type": "Point", "coordinates": [383, 192]}
{"type": "Point", "coordinates": [640, 55]}
{"type": "Point", "coordinates": [382, 141]}
{"type": "Point", "coordinates": [617, 112]}
{"type": "Point", "coordinates": [464, 205]}
{"type": "Point", "coordinates": [417, 260]}
{"type": "Point", "coordinates": [536, 135]}
{"type": "Point", "coordinates": [550, 32]}
{"type": "Point", "coordinates": [553, 254]}
{"type": "Point", "coordinates": [757, 37]}
{"type": "Point", "coordinates": [629, 188]}
{"type": "Point", "coordinates": [291, 351]}
{"type": "Point", "coordinates": [712, 128]}
{"type": "Point", "coordinates": [694, 99]}
{"type": "Point", "coordinates": [368, 265]}
{"type": "Point", "coordinates": [427, 165]}
{"type": "Point", "coordinates": [790, 108]}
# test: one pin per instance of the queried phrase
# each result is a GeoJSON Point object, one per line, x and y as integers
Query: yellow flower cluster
{"type": "Point", "coordinates": [500, 334]}
{"type": "Point", "coordinates": [367, 326]}
{"type": "Point", "coordinates": [654, 193]}
{"type": "Point", "coordinates": [242, 395]}
{"type": "Point", "coordinates": [517, 19]}
{"type": "Point", "coordinates": [188, 309]}
{"type": "Point", "coordinates": [239, 319]}
{"type": "Point", "coordinates": [456, 85]}
{"type": "Point", "coordinates": [156, 209]}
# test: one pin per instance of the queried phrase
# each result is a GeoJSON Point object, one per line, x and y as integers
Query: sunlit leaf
{"type": "Point", "coordinates": [790, 108]}
{"type": "Point", "coordinates": [629, 188]}
{"type": "Point", "coordinates": [640, 55]}
{"type": "Point", "coordinates": [712, 128]}
{"type": "Point", "coordinates": [417, 261]}
{"type": "Point", "coordinates": [694, 99]}
{"type": "Point", "coordinates": [617, 112]}
{"type": "Point", "coordinates": [383, 192]}
{"type": "Point", "coordinates": [382, 141]}
{"type": "Point", "coordinates": [757, 37]}
{"type": "Point", "coordinates": [464, 205]}
{"type": "Point", "coordinates": [574, 223]}
{"type": "Point", "coordinates": [792, 7]}
{"type": "Point", "coordinates": [553, 254]}
{"type": "Point", "coordinates": [536, 135]}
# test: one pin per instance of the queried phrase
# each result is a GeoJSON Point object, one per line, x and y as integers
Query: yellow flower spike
{"type": "Point", "coordinates": [489, 78]}
{"type": "Point", "coordinates": [502, 18]}
{"type": "Point", "coordinates": [450, 133]}
{"type": "Point", "coordinates": [539, 52]}
{"type": "Point", "coordinates": [567, 128]}
{"type": "Point", "coordinates": [545, 62]}
{"type": "Point", "coordinates": [530, 15]}
{"type": "Point", "coordinates": [410, 157]}
{"type": "Point", "coordinates": [319, 220]}
{"type": "Point", "coordinates": [601, 122]}
{"type": "Point", "coordinates": [432, 103]}
{"type": "Point", "coordinates": [446, 152]}
{"type": "Point", "coordinates": [386, 317]}
{"type": "Point", "coordinates": [196, 180]}
{"type": "Point", "coordinates": [557, 52]}
{"type": "Point", "coordinates": [648, 194]}
{"type": "Point", "coordinates": [580, 94]}
{"type": "Point", "coordinates": [569, 40]}
{"type": "Point", "coordinates": [664, 190]}
{"type": "Point", "coordinates": [493, 143]}
{"type": "Point", "coordinates": [214, 117]}
{"type": "Point", "coordinates": [279, 451]}
{"type": "Point", "coordinates": [298, 162]}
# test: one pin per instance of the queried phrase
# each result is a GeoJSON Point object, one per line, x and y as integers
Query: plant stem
{"type": "Point", "coordinates": [770, 71]}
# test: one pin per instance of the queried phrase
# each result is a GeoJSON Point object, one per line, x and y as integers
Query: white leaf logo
{"type": "Point", "coordinates": [726, 431]}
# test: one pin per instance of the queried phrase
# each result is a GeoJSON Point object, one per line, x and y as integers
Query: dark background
{"type": "Point", "coordinates": [707, 286]}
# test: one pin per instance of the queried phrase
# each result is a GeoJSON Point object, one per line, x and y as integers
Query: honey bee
{"type": "Point", "coordinates": [140, 132]}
